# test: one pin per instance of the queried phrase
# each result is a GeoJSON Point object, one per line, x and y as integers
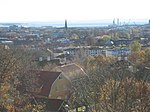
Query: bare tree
{"type": "Point", "coordinates": [15, 79]}
{"type": "Point", "coordinates": [111, 88]}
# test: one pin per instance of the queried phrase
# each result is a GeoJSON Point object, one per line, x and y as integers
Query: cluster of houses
{"type": "Point", "coordinates": [93, 51]}
{"type": "Point", "coordinates": [55, 86]}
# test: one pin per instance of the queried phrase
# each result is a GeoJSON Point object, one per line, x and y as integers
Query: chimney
{"type": "Point", "coordinates": [118, 21]}
{"type": "Point", "coordinates": [119, 58]}
{"type": "Point", "coordinates": [126, 58]}
{"type": "Point", "coordinates": [40, 58]}
{"type": "Point", "coordinates": [48, 58]}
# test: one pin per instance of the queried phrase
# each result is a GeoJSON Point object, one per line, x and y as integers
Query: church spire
{"type": "Point", "coordinates": [66, 24]}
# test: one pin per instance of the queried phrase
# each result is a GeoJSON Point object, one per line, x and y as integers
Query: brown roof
{"type": "Point", "coordinates": [54, 105]}
{"type": "Point", "coordinates": [47, 78]}
{"type": "Point", "coordinates": [72, 71]}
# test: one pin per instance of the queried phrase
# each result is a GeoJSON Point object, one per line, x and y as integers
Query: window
{"type": "Point", "coordinates": [60, 77]}
{"type": "Point", "coordinates": [64, 87]}
{"type": "Point", "coordinates": [57, 88]}
{"type": "Point", "coordinates": [59, 97]}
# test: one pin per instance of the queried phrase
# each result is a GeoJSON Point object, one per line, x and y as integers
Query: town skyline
{"type": "Point", "coordinates": [78, 23]}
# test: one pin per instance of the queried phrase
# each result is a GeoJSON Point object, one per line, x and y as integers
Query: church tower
{"type": "Point", "coordinates": [114, 22]}
{"type": "Point", "coordinates": [66, 24]}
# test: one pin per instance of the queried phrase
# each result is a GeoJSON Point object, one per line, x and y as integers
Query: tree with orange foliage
{"type": "Point", "coordinates": [15, 80]}
{"type": "Point", "coordinates": [135, 46]}
{"type": "Point", "coordinates": [111, 87]}
{"type": "Point", "coordinates": [125, 96]}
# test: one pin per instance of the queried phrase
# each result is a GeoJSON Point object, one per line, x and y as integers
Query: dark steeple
{"type": "Point", "coordinates": [66, 24]}
{"type": "Point", "coordinates": [114, 22]}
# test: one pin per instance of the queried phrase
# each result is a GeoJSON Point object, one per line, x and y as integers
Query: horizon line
{"type": "Point", "coordinates": [87, 20]}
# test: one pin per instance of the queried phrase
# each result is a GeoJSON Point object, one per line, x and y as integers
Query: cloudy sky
{"type": "Point", "coordinates": [54, 10]}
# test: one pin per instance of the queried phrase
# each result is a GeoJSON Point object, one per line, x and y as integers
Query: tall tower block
{"type": "Point", "coordinates": [66, 24]}
{"type": "Point", "coordinates": [114, 22]}
{"type": "Point", "coordinates": [117, 21]}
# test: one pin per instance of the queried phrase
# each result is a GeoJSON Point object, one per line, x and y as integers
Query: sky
{"type": "Point", "coordinates": [58, 10]}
